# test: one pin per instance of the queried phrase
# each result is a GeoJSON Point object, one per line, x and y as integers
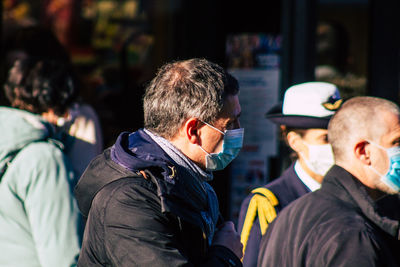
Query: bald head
{"type": "Point", "coordinates": [359, 118]}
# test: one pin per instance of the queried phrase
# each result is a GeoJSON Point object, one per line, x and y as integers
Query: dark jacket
{"type": "Point", "coordinates": [143, 221]}
{"type": "Point", "coordinates": [287, 188]}
{"type": "Point", "coordinates": [338, 225]}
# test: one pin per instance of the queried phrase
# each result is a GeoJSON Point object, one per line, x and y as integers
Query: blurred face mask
{"type": "Point", "coordinates": [320, 158]}
{"type": "Point", "coordinates": [392, 177]}
{"type": "Point", "coordinates": [232, 143]}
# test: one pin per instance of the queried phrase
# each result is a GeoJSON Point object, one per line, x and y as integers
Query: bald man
{"type": "Point", "coordinates": [353, 219]}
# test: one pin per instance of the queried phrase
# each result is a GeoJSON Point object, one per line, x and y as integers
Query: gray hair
{"type": "Point", "coordinates": [358, 118]}
{"type": "Point", "coordinates": [194, 88]}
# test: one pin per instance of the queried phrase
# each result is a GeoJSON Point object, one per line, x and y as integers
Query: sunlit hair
{"type": "Point", "coordinates": [185, 89]}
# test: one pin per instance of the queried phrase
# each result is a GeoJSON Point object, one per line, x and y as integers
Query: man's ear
{"type": "Point", "coordinates": [293, 140]}
{"type": "Point", "coordinates": [361, 151]}
{"type": "Point", "coordinates": [191, 130]}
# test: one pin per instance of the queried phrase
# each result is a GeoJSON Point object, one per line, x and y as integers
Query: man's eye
{"type": "Point", "coordinates": [233, 124]}
{"type": "Point", "coordinates": [229, 126]}
{"type": "Point", "coordinates": [396, 142]}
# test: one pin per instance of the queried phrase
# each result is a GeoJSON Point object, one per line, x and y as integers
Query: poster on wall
{"type": "Point", "coordinates": [253, 59]}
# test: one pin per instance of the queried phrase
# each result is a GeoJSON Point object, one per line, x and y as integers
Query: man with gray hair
{"type": "Point", "coordinates": [147, 199]}
{"type": "Point", "coordinates": [353, 220]}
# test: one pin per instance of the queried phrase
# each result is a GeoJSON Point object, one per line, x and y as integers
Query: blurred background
{"type": "Point", "coordinates": [116, 46]}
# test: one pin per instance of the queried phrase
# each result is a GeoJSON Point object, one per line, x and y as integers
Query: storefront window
{"type": "Point", "coordinates": [342, 45]}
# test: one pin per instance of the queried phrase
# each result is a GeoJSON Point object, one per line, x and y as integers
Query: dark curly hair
{"type": "Point", "coordinates": [40, 85]}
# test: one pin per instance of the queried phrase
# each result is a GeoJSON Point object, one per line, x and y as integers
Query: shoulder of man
{"type": "Point", "coordinates": [100, 173]}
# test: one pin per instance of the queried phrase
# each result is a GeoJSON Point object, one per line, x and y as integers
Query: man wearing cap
{"type": "Point", "coordinates": [353, 220]}
{"type": "Point", "coordinates": [303, 118]}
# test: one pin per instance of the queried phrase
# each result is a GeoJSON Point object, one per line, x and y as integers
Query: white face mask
{"type": "Point", "coordinates": [320, 158]}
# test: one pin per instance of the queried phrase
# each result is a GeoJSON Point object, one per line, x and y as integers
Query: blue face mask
{"type": "Point", "coordinates": [392, 176]}
{"type": "Point", "coordinates": [232, 143]}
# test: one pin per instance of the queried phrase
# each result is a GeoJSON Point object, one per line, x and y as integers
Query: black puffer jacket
{"type": "Point", "coordinates": [338, 225]}
{"type": "Point", "coordinates": [138, 221]}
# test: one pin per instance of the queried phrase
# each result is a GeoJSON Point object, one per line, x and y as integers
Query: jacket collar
{"type": "Point", "coordinates": [182, 196]}
{"type": "Point", "coordinates": [345, 186]}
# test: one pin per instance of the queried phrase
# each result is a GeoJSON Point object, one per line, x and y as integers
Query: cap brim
{"type": "Point", "coordinates": [301, 122]}
{"type": "Point", "coordinates": [296, 121]}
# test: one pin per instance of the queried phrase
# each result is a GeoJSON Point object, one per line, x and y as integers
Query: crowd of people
{"type": "Point", "coordinates": [146, 200]}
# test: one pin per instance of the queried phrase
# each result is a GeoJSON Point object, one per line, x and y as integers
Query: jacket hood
{"type": "Point", "coordinates": [18, 129]}
{"type": "Point", "coordinates": [137, 151]}
{"type": "Point", "coordinates": [178, 191]}
{"type": "Point", "coordinates": [119, 162]}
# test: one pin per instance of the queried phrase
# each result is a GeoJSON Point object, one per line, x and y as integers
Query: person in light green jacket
{"type": "Point", "coordinates": [38, 214]}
